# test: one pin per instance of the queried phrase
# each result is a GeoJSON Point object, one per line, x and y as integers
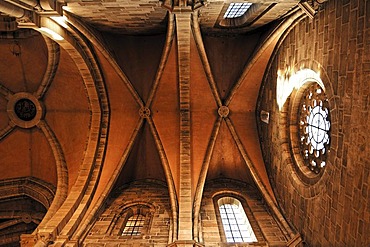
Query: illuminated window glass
{"type": "Point", "coordinates": [235, 222]}
{"type": "Point", "coordinates": [314, 127]}
{"type": "Point", "coordinates": [237, 9]}
{"type": "Point", "coordinates": [134, 225]}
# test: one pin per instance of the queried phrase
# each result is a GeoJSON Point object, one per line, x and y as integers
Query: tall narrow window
{"type": "Point", "coordinates": [134, 225]}
{"type": "Point", "coordinates": [235, 222]}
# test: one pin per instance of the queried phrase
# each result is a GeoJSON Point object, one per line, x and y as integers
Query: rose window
{"type": "Point", "coordinates": [314, 128]}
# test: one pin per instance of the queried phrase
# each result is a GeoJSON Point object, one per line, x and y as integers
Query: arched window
{"type": "Point", "coordinates": [135, 221]}
{"type": "Point", "coordinates": [134, 225]}
{"type": "Point", "coordinates": [235, 222]}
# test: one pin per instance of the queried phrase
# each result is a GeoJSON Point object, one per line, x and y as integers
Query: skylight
{"type": "Point", "coordinates": [237, 9]}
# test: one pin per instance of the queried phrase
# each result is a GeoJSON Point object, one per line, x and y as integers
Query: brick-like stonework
{"type": "Point", "coordinates": [211, 15]}
{"type": "Point", "coordinates": [151, 193]}
{"type": "Point", "coordinates": [336, 213]}
{"type": "Point", "coordinates": [264, 225]}
{"type": "Point", "coordinates": [148, 16]}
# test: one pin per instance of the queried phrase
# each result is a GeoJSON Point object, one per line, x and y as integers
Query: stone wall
{"type": "Point", "coordinates": [335, 210]}
{"type": "Point", "coordinates": [152, 194]}
{"type": "Point", "coordinates": [264, 225]}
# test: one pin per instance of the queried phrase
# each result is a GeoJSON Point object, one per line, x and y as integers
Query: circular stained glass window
{"type": "Point", "coordinates": [314, 128]}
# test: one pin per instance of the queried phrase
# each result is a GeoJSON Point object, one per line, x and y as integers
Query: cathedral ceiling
{"type": "Point", "coordinates": [148, 16]}
{"type": "Point", "coordinates": [116, 110]}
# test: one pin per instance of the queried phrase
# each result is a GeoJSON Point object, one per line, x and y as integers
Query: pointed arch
{"type": "Point", "coordinates": [87, 222]}
{"type": "Point", "coordinates": [81, 192]}
{"type": "Point", "coordinates": [52, 66]}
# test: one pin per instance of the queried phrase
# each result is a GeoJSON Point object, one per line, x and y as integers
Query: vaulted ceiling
{"type": "Point", "coordinates": [108, 91]}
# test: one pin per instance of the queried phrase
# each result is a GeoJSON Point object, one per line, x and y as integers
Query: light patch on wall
{"type": "Point", "coordinates": [288, 80]}
{"type": "Point", "coordinates": [61, 20]}
{"type": "Point", "coordinates": [50, 33]}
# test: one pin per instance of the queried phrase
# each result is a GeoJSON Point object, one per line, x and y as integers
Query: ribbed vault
{"type": "Point", "coordinates": [118, 107]}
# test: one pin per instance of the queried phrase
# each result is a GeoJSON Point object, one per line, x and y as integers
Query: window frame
{"type": "Point", "coordinates": [139, 217]}
{"type": "Point", "coordinates": [303, 171]}
{"type": "Point", "coordinates": [236, 7]}
{"type": "Point", "coordinates": [318, 155]}
{"type": "Point", "coordinates": [288, 80]}
{"type": "Point", "coordinates": [122, 218]}
{"type": "Point", "coordinates": [249, 214]}
{"type": "Point", "coordinates": [253, 13]}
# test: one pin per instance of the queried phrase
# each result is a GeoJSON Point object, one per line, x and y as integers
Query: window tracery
{"type": "Point", "coordinates": [236, 225]}
{"type": "Point", "coordinates": [314, 127]}
{"type": "Point", "coordinates": [134, 225]}
{"type": "Point", "coordinates": [237, 9]}
{"type": "Point", "coordinates": [134, 221]}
